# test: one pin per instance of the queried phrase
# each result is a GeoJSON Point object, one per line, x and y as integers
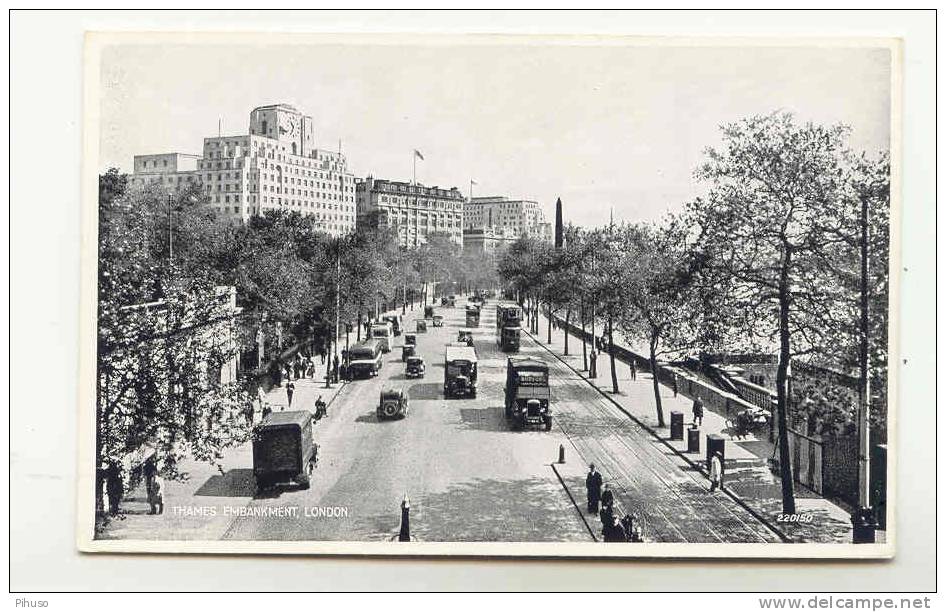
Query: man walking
{"type": "Point", "coordinates": [593, 369]}
{"type": "Point", "coordinates": [698, 411]}
{"type": "Point", "coordinates": [633, 369]}
{"type": "Point", "coordinates": [593, 485]}
{"type": "Point", "coordinates": [290, 389]}
{"type": "Point", "coordinates": [114, 487]}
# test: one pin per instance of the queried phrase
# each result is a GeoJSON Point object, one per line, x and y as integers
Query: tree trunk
{"type": "Point", "coordinates": [359, 323]}
{"type": "Point", "coordinates": [781, 381]}
{"type": "Point", "coordinates": [565, 330]}
{"type": "Point", "coordinates": [614, 370]}
{"type": "Point", "coordinates": [656, 379]}
{"type": "Point", "coordinates": [584, 342]}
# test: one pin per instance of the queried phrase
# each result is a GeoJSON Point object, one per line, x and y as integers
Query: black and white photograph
{"type": "Point", "coordinates": [490, 295]}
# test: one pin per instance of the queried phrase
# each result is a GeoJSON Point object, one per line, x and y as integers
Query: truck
{"type": "Point", "coordinates": [472, 315]}
{"type": "Point", "coordinates": [383, 333]}
{"type": "Point", "coordinates": [527, 393]}
{"type": "Point", "coordinates": [459, 371]}
{"type": "Point", "coordinates": [283, 450]}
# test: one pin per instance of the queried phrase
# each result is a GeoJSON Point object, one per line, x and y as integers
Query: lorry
{"type": "Point", "coordinates": [527, 393]}
{"type": "Point", "coordinates": [383, 333]}
{"type": "Point", "coordinates": [459, 371]}
{"type": "Point", "coordinates": [283, 450]}
{"type": "Point", "coordinates": [395, 321]}
{"type": "Point", "coordinates": [472, 316]}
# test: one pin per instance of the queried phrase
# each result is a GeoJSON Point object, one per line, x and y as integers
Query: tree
{"type": "Point", "coordinates": [771, 224]}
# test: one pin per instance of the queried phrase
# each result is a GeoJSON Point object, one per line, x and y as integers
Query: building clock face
{"type": "Point", "coordinates": [289, 124]}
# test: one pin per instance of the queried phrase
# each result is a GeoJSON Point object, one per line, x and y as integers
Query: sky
{"type": "Point", "coordinates": [618, 125]}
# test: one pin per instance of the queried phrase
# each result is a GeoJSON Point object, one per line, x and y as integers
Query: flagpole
{"type": "Point", "coordinates": [414, 175]}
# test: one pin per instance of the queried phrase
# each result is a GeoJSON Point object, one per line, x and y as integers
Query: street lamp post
{"type": "Point", "coordinates": [862, 519]}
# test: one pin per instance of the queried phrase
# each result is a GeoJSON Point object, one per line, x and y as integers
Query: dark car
{"type": "Point", "coordinates": [415, 367]}
{"type": "Point", "coordinates": [407, 351]}
{"type": "Point", "coordinates": [428, 312]}
{"type": "Point", "coordinates": [421, 326]}
{"type": "Point", "coordinates": [438, 321]}
{"type": "Point", "coordinates": [410, 339]}
{"type": "Point", "coordinates": [283, 450]}
{"type": "Point", "coordinates": [465, 336]}
{"type": "Point", "coordinates": [392, 405]}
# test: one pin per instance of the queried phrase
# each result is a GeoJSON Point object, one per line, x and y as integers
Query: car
{"type": "Point", "coordinates": [415, 367]}
{"type": "Point", "coordinates": [465, 336]}
{"type": "Point", "coordinates": [410, 339]}
{"type": "Point", "coordinates": [392, 405]}
{"type": "Point", "coordinates": [284, 450]}
{"type": "Point", "coordinates": [438, 321]}
{"type": "Point", "coordinates": [428, 312]}
{"type": "Point", "coordinates": [408, 351]}
{"type": "Point", "coordinates": [421, 326]}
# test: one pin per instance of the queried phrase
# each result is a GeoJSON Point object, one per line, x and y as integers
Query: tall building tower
{"type": "Point", "coordinates": [559, 229]}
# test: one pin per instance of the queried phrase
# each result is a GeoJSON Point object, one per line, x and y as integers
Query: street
{"type": "Point", "coordinates": [468, 475]}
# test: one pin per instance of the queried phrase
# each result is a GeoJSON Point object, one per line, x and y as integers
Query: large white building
{"type": "Point", "coordinates": [275, 166]}
{"type": "Point", "coordinates": [520, 217]}
{"type": "Point", "coordinates": [413, 211]}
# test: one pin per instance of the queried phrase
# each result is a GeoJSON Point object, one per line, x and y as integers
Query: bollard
{"type": "Point", "coordinates": [561, 453]}
{"type": "Point", "coordinates": [693, 440]}
{"type": "Point", "coordinates": [405, 534]}
{"type": "Point", "coordinates": [715, 443]}
{"type": "Point", "coordinates": [676, 425]}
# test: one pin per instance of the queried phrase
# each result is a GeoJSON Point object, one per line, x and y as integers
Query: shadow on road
{"type": "Point", "coordinates": [235, 483]}
{"type": "Point", "coordinates": [424, 391]}
{"type": "Point", "coordinates": [491, 418]}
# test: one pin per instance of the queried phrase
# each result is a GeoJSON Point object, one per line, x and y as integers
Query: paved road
{"type": "Point", "coordinates": [469, 477]}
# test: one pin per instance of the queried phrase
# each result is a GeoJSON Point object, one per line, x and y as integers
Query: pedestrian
{"type": "Point", "coordinates": [156, 494]}
{"type": "Point", "coordinates": [288, 368]}
{"type": "Point", "coordinates": [675, 383]}
{"type": "Point", "coordinates": [114, 487]}
{"type": "Point", "coordinates": [633, 369]}
{"type": "Point", "coordinates": [593, 370]}
{"type": "Point", "coordinates": [149, 470]}
{"type": "Point", "coordinates": [335, 370]}
{"type": "Point", "coordinates": [698, 411]}
{"type": "Point", "coordinates": [607, 500]}
{"type": "Point", "coordinates": [290, 389]}
{"type": "Point", "coordinates": [267, 410]}
{"type": "Point", "coordinates": [716, 472]}
{"type": "Point", "coordinates": [309, 368]}
{"type": "Point", "coordinates": [322, 352]}
{"type": "Point", "coordinates": [248, 413]}
{"type": "Point", "coordinates": [593, 485]}
{"type": "Point", "coordinates": [261, 397]}
{"type": "Point", "coordinates": [611, 531]}
{"type": "Point", "coordinates": [321, 409]}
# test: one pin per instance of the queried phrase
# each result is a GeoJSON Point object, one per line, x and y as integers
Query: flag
{"type": "Point", "coordinates": [472, 182]}
{"type": "Point", "coordinates": [418, 154]}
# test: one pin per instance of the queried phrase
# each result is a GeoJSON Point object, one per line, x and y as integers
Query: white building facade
{"type": "Point", "coordinates": [414, 211]}
{"type": "Point", "coordinates": [520, 217]}
{"type": "Point", "coordinates": [276, 166]}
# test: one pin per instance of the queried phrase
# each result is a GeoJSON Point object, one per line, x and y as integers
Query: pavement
{"type": "Point", "coordinates": [748, 478]}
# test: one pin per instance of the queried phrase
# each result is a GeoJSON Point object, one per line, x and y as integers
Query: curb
{"type": "Point", "coordinates": [765, 521]}
{"type": "Point", "coordinates": [584, 520]}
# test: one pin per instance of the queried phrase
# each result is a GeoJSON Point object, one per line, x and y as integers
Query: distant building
{"type": "Point", "coordinates": [487, 239]}
{"type": "Point", "coordinates": [275, 166]}
{"type": "Point", "coordinates": [414, 211]}
{"type": "Point", "coordinates": [523, 217]}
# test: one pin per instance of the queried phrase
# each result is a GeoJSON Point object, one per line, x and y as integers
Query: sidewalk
{"type": "Point", "coordinates": [748, 477]}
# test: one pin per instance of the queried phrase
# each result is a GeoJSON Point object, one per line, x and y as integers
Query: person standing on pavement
{"type": "Point", "coordinates": [633, 369]}
{"type": "Point", "coordinates": [593, 369]}
{"type": "Point", "coordinates": [290, 389]}
{"type": "Point", "coordinates": [114, 487]}
{"type": "Point", "coordinates": [716, 472]}
{"type": "Point", "coordinates": [155, 491]}
{"type": "Point", "coordinates": [607, 500]}
{"type": "Point", "coordinates": [698, 411]}
{"type": "Point", "coordinates": [593, 485]}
